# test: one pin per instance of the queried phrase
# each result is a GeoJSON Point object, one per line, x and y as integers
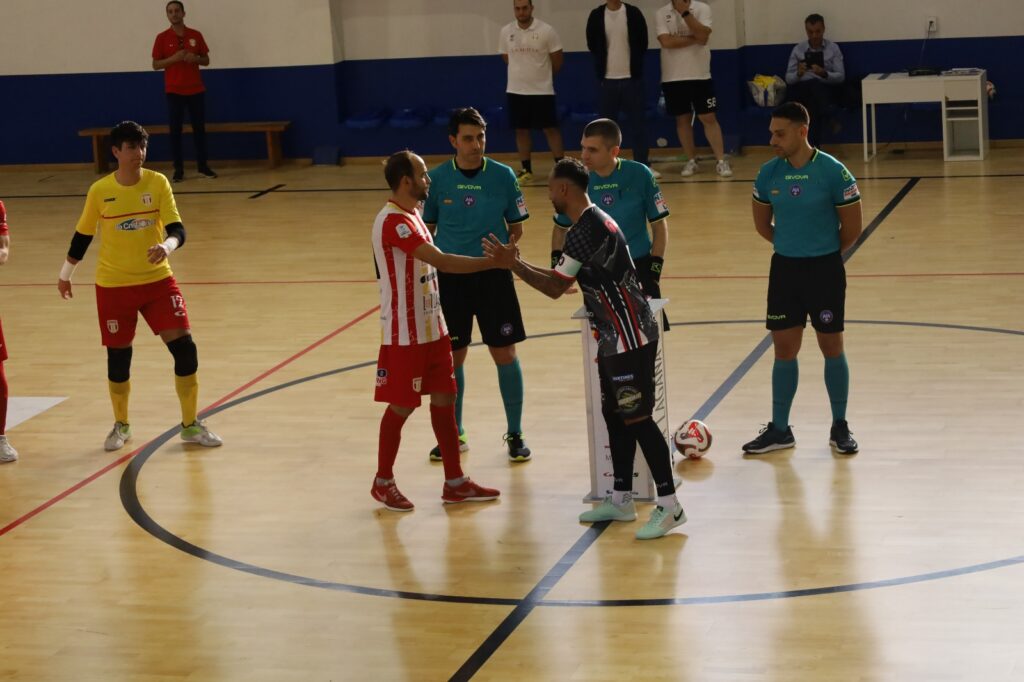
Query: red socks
{"type": "Point", "coordinates": [390, 438]}
{"type": "Point", "coordinates": [447, 433]}
{"type": "Point", "coordinates": [3, 400]}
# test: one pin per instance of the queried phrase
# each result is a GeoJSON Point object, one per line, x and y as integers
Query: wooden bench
{"type": "Point", "coordinates": [273, 129]}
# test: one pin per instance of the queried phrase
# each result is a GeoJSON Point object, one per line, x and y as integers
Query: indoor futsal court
{"type": "Point", "coordinates": [266, 559]}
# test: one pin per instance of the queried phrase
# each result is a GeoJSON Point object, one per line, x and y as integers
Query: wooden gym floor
{"type": "Point", "coordinates": [266, 559]}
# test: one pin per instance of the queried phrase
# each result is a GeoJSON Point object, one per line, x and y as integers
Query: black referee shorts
{"type": "Point", "coordinates": [490, 296]}
{"type": "Point", "coordinates": [798, 287]}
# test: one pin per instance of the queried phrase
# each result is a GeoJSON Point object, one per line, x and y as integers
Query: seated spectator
{"type": "Point", "coordinates": [815, 74]}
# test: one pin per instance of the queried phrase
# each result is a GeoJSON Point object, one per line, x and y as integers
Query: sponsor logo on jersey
{"type": "Point", "coordinates": [476, 187]}
{"type": "Point", "coordinates": [147, 199]}
{"type": "Point", "coordinates": [660, 203]}
{"type": "Point", "coordinates": [469, 200]}
{"type": "Point", "coordinates": [109, 199]}
{"type": "Point", "coordinates": [429, 277]}
{"type": "Point", "coordinates": [447, 202]}
{"type": "Point", "coordinates": [382, 377]}
{"type": "Point", "coordinates": [775, 192]}
{"type": "Point", "coordinates": [628, 399]}
{"type": "Point", "coordinates": [403, 230]}
{"type": "Point", "coordinates": [798, 177]}
{"type": "Point", "coordinates": [851, 191]}
{"type": "Point", "coordinates": [609, 185]}
{"type": "Point", "coordinates": [623, 377]}
{"type": "Point", "coordinates": [607, 199]}
{"type": "Point", "coordinates": [795, 190]}
{"type": "Point", "coordinates": [826, 316]}
{"type": "Point", "coordinates": [846, 175]}
{"type": "Point", "coordinates": [521, 205]}
{"type": "Point", "coordinates": [133, 224]}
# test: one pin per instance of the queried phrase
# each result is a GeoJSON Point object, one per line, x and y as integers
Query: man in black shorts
{"type": "Point", "coordinates": [683, 28]}
{"type": "Point", "coordinates": [533, 52]}
{"type": "Point", "coordinates": [807, 204]}
{"type": "Point", "coordinates": [596, 256]}
{"type": "Point", "coordinates": [472, 196]}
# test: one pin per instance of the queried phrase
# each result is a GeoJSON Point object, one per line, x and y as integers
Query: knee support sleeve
{"type": "Point", "coordinates": [186, 358]}
{"type": "Point", "coordinates": [119, 364]}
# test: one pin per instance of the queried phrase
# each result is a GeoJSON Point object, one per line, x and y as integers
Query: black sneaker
{"type": "Point", "coordinates": [178, 176]}
{"type": "Point", "coordinates": [207, 172]}
{"type": "Point", "coordinates": [841, 439]}
{"type": "Point", "coordinates": [517, 450]}
{"type": "Point", "coordinates": [770, 439]}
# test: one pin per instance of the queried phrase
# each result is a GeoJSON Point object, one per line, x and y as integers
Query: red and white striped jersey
{"type": "Point", "coordinates": [410, 305]}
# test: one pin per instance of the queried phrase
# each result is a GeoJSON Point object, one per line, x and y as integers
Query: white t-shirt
{"type": "Point", "coordinates": [529, 57]}
{"type": "Point", "coordinates": [617, 33]}
{"type": "Point", "coordinates": [683, 63]}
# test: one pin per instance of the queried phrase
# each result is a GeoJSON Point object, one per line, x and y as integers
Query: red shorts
{"type": "Point", "coordinates": [3, 345]}
{"type": "Point", "coordinates": [404, 373]}
{"type": "Point", "coordinates": [161, 303]}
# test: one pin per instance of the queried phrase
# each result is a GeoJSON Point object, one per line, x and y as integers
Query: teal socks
{"type": "Point", "coordinates": [837, 381]}
{"type": "Point", "coordinates": [510, 382]}
{"type": "Point", "coordinates": [785, 377]}
{"type": "Point", "coordinates": [460, 383]}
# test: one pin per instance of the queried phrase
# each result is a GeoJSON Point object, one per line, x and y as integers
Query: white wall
{"type": "Point", "coordinates": [781, 21]}
{"type": "Point", "coordinates": [99, 36]}
{"type": "Point", "coordinates": [382, 29]}
{"type": "Point", "coordinates": [102, 36]}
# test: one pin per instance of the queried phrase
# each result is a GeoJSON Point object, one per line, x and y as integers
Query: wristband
{"type": "Point", "coordinates": [171, 243]}
{"type": "Point", "coordinates": [67, 270]}
{"type": "Point", "coordinates": [656, 263]}
{"type": "Point", "coordinates": [555, 257]}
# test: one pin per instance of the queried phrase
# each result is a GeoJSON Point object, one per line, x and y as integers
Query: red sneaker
{"type": "Point", "coordinates": [468, 491]}
{"type": "Point", "coordinates": [391, 496]}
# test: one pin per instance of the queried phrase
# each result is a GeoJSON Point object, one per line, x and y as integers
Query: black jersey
{"type": "Point", "coordinates": [596, 256]}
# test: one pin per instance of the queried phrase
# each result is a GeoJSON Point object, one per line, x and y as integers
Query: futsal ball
{"type": "Point", "coordinates": [692, 439]}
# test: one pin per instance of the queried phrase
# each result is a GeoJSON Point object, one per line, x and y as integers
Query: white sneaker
{"type": "Point", "coordinates": [723, 168]}
{"type": "Point", "coordinates": [690, 168]}
{"type": "Point", "coordinates": [656, 174]}
{"type": "Point", "coordinates": [118, 436]}
{"type": "Point", "coordinates": [197, 432]}
{"type": "Point", "coordinates": [7, 451]}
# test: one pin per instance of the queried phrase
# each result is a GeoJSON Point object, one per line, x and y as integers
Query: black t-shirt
{"type": "Point", "coordinates": [596, 256]}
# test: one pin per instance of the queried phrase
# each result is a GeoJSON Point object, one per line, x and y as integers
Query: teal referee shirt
{"type": "Point", "coordinates": [804, 201]}
{"type": "Point", "coordinates": [466, 209]}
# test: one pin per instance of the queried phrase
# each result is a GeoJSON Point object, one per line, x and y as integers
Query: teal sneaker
{"type": "Point", "coordinates": [662, 521]}
{"type": "Point", "coordinates": [118, 436]}
{"type": "Point", "coordinates": [609, 511]}
{"type": "Point", "coordinates": [435, 454]}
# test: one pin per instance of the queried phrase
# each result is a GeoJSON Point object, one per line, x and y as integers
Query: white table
{"type": "Point", "coordinates": [964, 102]}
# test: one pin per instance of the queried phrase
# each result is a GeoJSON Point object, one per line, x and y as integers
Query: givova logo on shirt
{"type": "Point", "coordinates": [133, 224]}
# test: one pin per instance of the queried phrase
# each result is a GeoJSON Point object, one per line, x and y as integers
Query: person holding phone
{"type": "Point", "coordinates": [815, 74]}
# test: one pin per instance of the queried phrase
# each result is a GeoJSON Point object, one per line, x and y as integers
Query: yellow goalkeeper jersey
{"type": "Point", "coordinates": [129, 220]}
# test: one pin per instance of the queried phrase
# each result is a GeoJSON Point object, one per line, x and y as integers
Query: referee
{"type": "Point", "coordinates": [815, 204]}
{"type": "Point", "coordinates": [629, 193]}
{"type": "Point", "coordinates": [472, 196]}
